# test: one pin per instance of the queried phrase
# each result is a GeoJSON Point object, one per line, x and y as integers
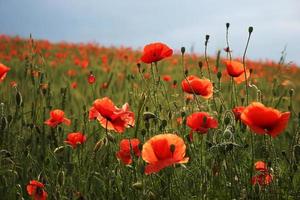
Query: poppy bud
{"type": "Point", "coordinates": [182, 50]}
{"type": "Point", "coordinates": [61, 178]}
{"type": "Point", "coordinates": [138, 66]}
{"type": "Point", "coordinates": [207, 37]}
{"type": "Point", "coordinates": [4, 123]}
{"type": "Point", "coordinates": [297, 153]}
{"type": "Point", "coordinates": [98, 145]}
{"type": "Point", "coordinates": [164, 123]}
{"type": "Point", "coordinates": [227, 25]}
{"type": "Point", "coordinates": [186, 72]}
{"type": "Point", "coordinates": [200, 64]}
{"type": "Point", "coordinates": [227, 120]}
{"type": "Point", "coordinates": [19, 99]}
{"type": "Point", "coordinates": [250, 29]}
{"type": "Point", "coordinates": [251, 70]}
{"type": "Point", "coordinates": [219, 75]}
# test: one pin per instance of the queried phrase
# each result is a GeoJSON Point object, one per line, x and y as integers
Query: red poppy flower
{"type": "Point", "coordinates": [234, 68]}
{"type": "Point", "coordinates": [57, 117]}
{"type": "Point", "coordinates": [124, 154]}
{"type": "Point", "coordinates": [237, 111]}
{"type": "Point", "coordinates": [200, 122]}
{"type": "Point", "coordinates": [74, 85]}
{"type": "Point", "coordinates": [194, 84]}
{"type": "Point", "coordinates": [155, 52]}
{"type": "Point", "coordinates": [263, 177]}
{"type": "Point", "coordinates": [35, 189]}
{"type": "Point", "coordinates": [162, 151]}
{"type": "Point", "coordinates": [264, 120]}
{"type": "Point", "coordinates": [74, 139]}
{"type": "Point", "coordinates": [110, 116]}
{"type": "Point", "coordinates": [13, 84]}
{"type": "Point", "coordinates": [167, 78]}
{"type": "Point", "coordinates": [3, 71]}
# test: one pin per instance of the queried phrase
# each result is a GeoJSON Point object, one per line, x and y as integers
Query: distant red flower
{"type": "Point", "coordinates": [167, 78]}
{"type": "Point", "coordinates": [3, 71]}
{"type": "Point", "coordinates": [147, 75]}
{"type": "Point", "coordinates": [200, 122]}
{"type": "Point", "coordinates": [74, 139]}
{"type": "Point", "coordinates": [110, 116]}
{"type": "Point", "coordinates": [155, 52]}
{"type": "Point", "coordinates": [35, 189]}
{"type": "Point", "coordinates": [71, 72]}
{"type": "Point", "coordinates": [237, 111]}
{"type": "Point", "coordinates": [74, 85]}
{"type": "Point", "coordinates": [163, 150]}
{"type": "Point", "coordinates": [194, 84]}
{"type": "Point", "coordinates": [104, 85]}
{"type": "Point", "coordinates": [84, 63]}
{"type": "Point", "coordinates": [57, 117]}
{"type": "Point", "coordinates": [128, 147]}
{"type": "Point", "coordinates": [91, 78]}
{"type": "Point", "coordinates": [264, 120]}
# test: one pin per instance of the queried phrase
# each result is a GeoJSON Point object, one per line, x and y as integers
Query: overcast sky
{"type": "Point", "coordinates": [175, 22]}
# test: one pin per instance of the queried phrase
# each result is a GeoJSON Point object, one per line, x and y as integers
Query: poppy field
{"type": "Point", "coordinates": [85, 121]}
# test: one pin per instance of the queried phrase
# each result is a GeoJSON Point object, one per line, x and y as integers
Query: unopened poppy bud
{"type": "Point", "coordinates": [61, 178]}
{"type": "Point", "coordinates": [172, 148]}
{"type": "Point", "coordinates": [227, 120]}
{"type": "Point", "coordinates": [207, 37]}
{"type": "Point", "coordinates": [250, 29]}
{"type": "Point", "coordinates": [19, 99]}
{"type": "Point", "coordinates": [186, 72]}
{"type": "Point", "coordinates": [227, 25]}
{"type": "Point", "coordinates": [219, 75]}
{"type": "Point", "coordinates": [297, 152]}
{"type": "Point", "coordinates": [138, 185]}
{"type": "Point", "coordinates": [4, 123]}
{"type": "Point", "coordinates": [251, 70]}
{"type": "Point", "coordinates": [98, 145]}
{"type": "Point", "coordinates": [174, 82]}
{"type": "Point", "coordinates": [182, 50]}
{"type": "Point", "coordinates": [138, 66]}
{"type": "Point", "coordinates": [291, 92]}
{"type": "Point", "coordinates": [200, 65]}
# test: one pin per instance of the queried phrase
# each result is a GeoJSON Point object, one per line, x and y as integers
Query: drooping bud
{"type": "Point", "coordinates": [250, 29]}
{"type": "Point", "coordinates": [227, 25]}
